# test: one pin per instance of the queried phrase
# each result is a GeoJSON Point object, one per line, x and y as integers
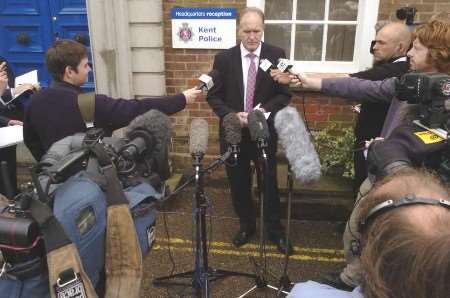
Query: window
{"type": "Point", "coordinates": [322, 35]}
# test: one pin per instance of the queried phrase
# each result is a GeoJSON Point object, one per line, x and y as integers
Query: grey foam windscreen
{"type": "Point", "coordinates": [232, 129]}
{"type": "Point", "coordinates": [295, 140]}
{"type": "Point", "coordinates": [257, 125]}
{"type": "Point", "coordinates": [198, 141]}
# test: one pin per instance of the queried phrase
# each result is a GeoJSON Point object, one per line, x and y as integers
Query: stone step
{"type": "Point", "coordinates": [331, 198]}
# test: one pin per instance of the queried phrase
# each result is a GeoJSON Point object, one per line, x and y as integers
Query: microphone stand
{"type": "Point", "coordinates": [285, 282]}
{"type": "Point", "coordinates": [202, 273]}
{"type": "Point", "coordinates": [262, 180]}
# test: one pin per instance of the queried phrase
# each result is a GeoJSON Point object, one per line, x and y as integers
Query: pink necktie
{"type": "Point", "coordinates": [251, 80]}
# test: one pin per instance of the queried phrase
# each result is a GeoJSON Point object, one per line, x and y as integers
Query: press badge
{"type": "Point", "coordinates": [71, 289]}
{"type": "Point", "coordinates": [428, 137]}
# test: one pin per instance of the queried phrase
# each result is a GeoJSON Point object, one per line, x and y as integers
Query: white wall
{"type": "Point", "coordinates": [127, 46]}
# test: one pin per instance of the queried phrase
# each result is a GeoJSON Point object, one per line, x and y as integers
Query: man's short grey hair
{"type": "Point", "coordinates": [252, 9]}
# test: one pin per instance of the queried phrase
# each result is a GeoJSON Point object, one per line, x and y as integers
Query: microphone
{"type": "Point", "coordinates": [207, 80]}
{"type": "Point", "coordinates": [149, 133]}
{"type": "Point", "coordinates": [145, 132]}
{"type": "Point", "coordinates": [233, 133]}
{"type": "Point", "coordinates": [233, 136]}
{"type": "Point", "coordinates": [266, 65]}
{"type": "Point", "coordinates": [140, 141]}
{"type": "Point", "coordinates": [259, 130]}
{"type": "Point", "coordinates": [300, 151]}
{"type": "Point", "coordinates": [284, 64]}
{"type": "Point", "coordinates": [257, 126]}
{"type": "Point", "coordinates": [198, 141]}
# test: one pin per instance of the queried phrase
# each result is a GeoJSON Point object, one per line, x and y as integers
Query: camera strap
{"type": "Point", "coordinates": [86, 105]}
{"type": "Point", "coordinates": [123, 258]}
{"type": "Point", "coordinates": [66, 275]}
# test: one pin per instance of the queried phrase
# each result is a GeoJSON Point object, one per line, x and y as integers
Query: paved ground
{"type": "Point", "coordinates": [317, 248]}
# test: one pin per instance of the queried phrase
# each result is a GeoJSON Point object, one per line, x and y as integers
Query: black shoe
{"type": "Point", "coordinates": [242, 237]}
{"type": "Point", "coordinates": [282, 246]}
{"type": "Point", "coordinates": [334, 279]}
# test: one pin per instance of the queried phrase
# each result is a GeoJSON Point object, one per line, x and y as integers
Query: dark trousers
{"type": "Point", "coordinates": [240, 179]}
{"type": "Point", "coordinates": [8, 154]}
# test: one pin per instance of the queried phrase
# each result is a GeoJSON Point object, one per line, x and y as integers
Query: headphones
{"type": "Point", "coordinates": [410, 199]}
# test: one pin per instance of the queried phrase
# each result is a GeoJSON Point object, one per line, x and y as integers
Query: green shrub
{"type": "Point", "coordinates": [335, 147]}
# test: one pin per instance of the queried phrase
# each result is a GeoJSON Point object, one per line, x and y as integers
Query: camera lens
{"type": "Point", "coordinates": [401, 13]}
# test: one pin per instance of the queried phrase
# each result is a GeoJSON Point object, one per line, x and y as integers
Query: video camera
{"type": "Point", "coordinates": [71, 181]}
{"type": "Point", "coordinates": [20, 239]}
{"type": "Point", "coordinates": [406, 13]}
{"type": "Point", "coordinates": [431, 92]}
{"type": "Point", "coordinates": [409, 145]}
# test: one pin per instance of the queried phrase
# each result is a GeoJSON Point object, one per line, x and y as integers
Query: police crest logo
{"type": "Point", "coordinates": [185, 32]}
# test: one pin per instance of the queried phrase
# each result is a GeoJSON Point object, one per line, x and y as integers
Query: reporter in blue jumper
{"type": "Point", "coordinates": [54, 114]}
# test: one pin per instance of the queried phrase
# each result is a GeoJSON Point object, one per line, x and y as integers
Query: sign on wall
{"type": "Point", "coordinates": [203, 28]}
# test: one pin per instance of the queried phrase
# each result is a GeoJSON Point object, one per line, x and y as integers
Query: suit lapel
{"type": "Point", "coordinates": [238, 74]}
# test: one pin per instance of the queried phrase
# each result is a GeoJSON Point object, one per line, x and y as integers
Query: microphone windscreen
{"type": "Point", "coordinates": [232, 129]}
{"type": "Point", "coordinates": [284, 64]}
{"type": "Point", "coordinates": [206, 82]}
{"type": "Point", "coordinates": [156, 123]}
{"type": "Point", "coordinates": [295, 140]}
{"type": "Point", "coordinates": [198, 141]}
{"type": "Point", "coordinates": [257, 125]}
{"type": "Point", "coordinates": [265, 65]}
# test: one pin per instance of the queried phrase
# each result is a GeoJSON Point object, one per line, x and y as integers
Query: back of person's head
{"type": "Point", "coordinates": [400, 36]}
{"type": "Point", "coordinates": [63, 53]}
{"type": "Point", "coordinates": [406, 250]}
{"type": "Point", "coordinates": [435, 35]}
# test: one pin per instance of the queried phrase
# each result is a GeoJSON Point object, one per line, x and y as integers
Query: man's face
{"type": "Point", "coordinates": [251, 29]}
{"type": "Point", "coordinates": [418, 58]}
{"type": "Point", "coordinates": [385, 47]}
{"type": "Point", "coordinates": [80, 76]}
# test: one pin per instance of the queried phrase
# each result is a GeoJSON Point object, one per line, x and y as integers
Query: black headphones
{"type": "Point", "coordinates": [385, 206]}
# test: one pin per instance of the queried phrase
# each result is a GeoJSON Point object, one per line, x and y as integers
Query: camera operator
{"type": "Point", "coordinates": [405, 244]}
{"type": "Point", "coordinates": [410, 144]}
{"type": "Point", "coordinates": [430, 53]}
{"type": "Point", "coordinates": [56, 106]}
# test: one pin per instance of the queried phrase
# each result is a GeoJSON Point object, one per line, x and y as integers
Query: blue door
{"type": "Point", "coordinates": [29, 27]}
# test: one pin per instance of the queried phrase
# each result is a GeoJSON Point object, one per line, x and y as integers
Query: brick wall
{"type": "Point", "coordinates": [184, 65]}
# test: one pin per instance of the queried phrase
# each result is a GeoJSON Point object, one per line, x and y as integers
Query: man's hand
{"type": "Point", "coordinates": [242, 116]}
{"type": "Point", "coordinates": [3, 78]}
{"type": "Point", "coordinates": [280, 77]}
{"type": "Point", "coordinates": [302, 80]}
{"type": "Point", "coordinates": [15, 122]}
{"type": "Point", "coordinates": [191, 94]}
{"type": "Point", "coordinates": [25, 87]}
{"type": "Point", "coordinates": [369, 142]}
